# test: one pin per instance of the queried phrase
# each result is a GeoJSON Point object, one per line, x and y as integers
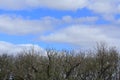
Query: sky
{"type": "Point", "coordinates": [59, 24]}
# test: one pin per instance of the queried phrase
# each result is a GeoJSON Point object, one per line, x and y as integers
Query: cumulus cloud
{"type": "Point", "coordinates": [20, 26]}
{"type": "Point", "coordinates": [17, 25]}
{"type": "Point", "coordinates": [104, 6]}
{"type": "Point", "coordinates": [98, 6]}
{"type": "Point", "coordinates": [9, 48]}
{"type": "Point", "coordinates": [79, 20]}
{"type": "Point", "coordinates": [85, 35]}
{"type": "Point", "coordinates": [107, 8]}
{"type": "Point", "coordinates": [55, 4]}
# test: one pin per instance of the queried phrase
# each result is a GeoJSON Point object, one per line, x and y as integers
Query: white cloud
{"type": "Point", "coordinates": [108, 8]}
{"type": "Point", "coordinates": [104, 6]}
{"type": "Point", "coordinates": [20, 26]}
{"type": "Point", "coordinates": [55, 4]}
{"type": "Point", "coordinates": [98, 6]}
{"type": "Point", "coordinates": [79, 20]}
{"type": "Point", "coordinates": [85, 35]}
{"type": "Point", "coordinates": [9, 48]}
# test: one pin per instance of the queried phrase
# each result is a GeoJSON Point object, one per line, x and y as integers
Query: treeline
{"type": "Point", "coordinates": [101, 64]}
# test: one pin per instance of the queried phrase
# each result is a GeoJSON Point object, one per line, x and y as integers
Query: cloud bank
{"type": "Point", "coordinates": [55, 4]}
{"type": "Point", "coordinates": [85, 35]}
{"type": "Point", "coordinates": [20, 26]}
{"type": "Point", "coordinates": [14, 49]}
{"type": "Point", "coordinates": [80, 31]}
{"type": "Point", "coordinates": [98, 6]}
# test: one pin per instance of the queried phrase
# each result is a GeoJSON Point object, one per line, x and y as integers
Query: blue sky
{"type": "Point", "coordinates": [60, 24]}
